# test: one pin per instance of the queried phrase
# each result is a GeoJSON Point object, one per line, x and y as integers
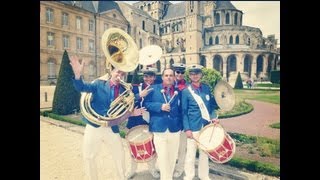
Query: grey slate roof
{"type": "Point", "coordinates": [86, 5]}
{"type": "Point", "coordinates": [100, 7]}
{"type": "Point", "coordinates": [175, 10]}
{"type": "Point", "coordinates": [108, 5]}
{"type": "Point", "coordinates": [224, 5]}
{"type": "Point", "coordinates": [134, 9]}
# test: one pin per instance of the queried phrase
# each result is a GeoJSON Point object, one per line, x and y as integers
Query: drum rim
{"type": "Point", "coordinates": [231, 155]}
{"type": "Point", "coordinates": [145, 160]}
{"type": "Point", "coordinates": [136, 127]}
{"type": "Point", "coordinates": [206, 127]}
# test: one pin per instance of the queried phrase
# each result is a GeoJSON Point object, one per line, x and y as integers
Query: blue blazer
{"type": "Point", "coordinates": [192, 119]}
{"type": "Point", "coordinates": [101, 100]}
{"type": "Point", "coordinates": [136, 120]}
{"type": "Point", "coordinates": [160, 120]}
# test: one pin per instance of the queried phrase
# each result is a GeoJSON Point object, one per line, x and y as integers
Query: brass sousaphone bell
{"type": "Point", "coordinates": [122, 53]}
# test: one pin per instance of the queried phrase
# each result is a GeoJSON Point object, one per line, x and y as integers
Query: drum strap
{"type": "Point", "coordinates": [203, 109]}
{"type": "Point", "coordinates": [146, 115]}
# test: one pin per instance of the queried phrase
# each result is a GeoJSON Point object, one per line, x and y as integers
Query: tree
{"type": "Point", "coordinates": [238, 84]}
{"type": "Point", "coordinates": [66, 98]}
{"type": "Point", "coordinates": [209, 76]}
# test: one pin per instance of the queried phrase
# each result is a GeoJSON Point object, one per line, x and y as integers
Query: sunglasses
{"type": "Point", "coordinates": [180, 72]}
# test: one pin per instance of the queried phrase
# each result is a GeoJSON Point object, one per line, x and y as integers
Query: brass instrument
{"type": "Point", "coordinates": [122, 53]}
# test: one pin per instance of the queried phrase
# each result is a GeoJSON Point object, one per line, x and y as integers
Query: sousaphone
{"type": "Point", "coordinates": [122, 53]}
{"type": "Point", "coordinates": [224, 95]}
{"type": "Point", "coordinates": [150, 55]}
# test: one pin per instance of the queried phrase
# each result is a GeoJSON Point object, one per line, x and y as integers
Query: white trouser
{"type": "Point", "coordinates": [189, 166]}
{"type": "Point", "coordinates": [182, 152]}
{"type": "Point", "coordinates": [151, 165]}
{"type": "Point", "coordinates": [93, 139]}
{"type": "Point", "coordinates": [167, 146]}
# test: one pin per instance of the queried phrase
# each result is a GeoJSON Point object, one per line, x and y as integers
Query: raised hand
{"type": "Point", "coordinates": [145, 92]}
{"type": "Point", "coordinates": [77, 67]}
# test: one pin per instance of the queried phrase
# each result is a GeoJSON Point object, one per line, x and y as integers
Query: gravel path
{"type": "Point", "coordinates": [257, 122]}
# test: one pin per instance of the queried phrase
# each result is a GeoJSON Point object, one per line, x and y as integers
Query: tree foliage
{"type": "Point", "coordinates": [66, 98]}
{"type": "Point", "coordinates": [210, 77]}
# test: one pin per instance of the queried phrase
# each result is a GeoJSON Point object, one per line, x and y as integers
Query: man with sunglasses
{"type": "Point", "coordinates": [180, 83]}
{"type": "Point", "coordinates": [141, 91]}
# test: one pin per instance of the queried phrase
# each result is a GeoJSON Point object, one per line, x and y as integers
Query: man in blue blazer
{"type": "Point", "coordinates": [193, 121]}
{"type": "Point", "coordinates": [141, 91]}
{"type": "Point", "coordinates": [180, 83]}
{"type": "Point", "coordinates": [163, 103]}
{"type": "Point", "coordinates": [104, 91]}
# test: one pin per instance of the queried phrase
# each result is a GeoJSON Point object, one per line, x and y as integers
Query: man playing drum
{"type": "Point", "coordinates": [196, 95]}
{"type": "Point", "coordinates": [180, 83]}
{"type": "Point", "coordinates": [163, 104]}
{"type": "Point", "coordinates": [140, 91]}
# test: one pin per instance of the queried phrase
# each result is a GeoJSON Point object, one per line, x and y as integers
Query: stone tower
{"type": "Point", "coordinates": [193, 31]}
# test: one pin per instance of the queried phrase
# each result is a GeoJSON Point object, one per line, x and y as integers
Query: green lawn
{"type": "Point", "coordinates": [271, 96]}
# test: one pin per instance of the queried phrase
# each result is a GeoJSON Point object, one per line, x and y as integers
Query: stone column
{"type": "Point", "coordinates": [265, 65]}
{"type": "Point", "coordinates": [254, 67]}
{"type": "Point", "coordinates": [224, 67]}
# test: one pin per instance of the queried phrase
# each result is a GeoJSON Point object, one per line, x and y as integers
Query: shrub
{"type": "Point", "coordinates": [66, 98]}
{"type": "Point", "coordinates": [275, 76]}
{"type": "Point", "coordinates": [238, 84]}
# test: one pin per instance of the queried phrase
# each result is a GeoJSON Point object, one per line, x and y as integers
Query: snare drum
{"type": "Point", "coordinates": [141, 143]}
{"type": "Point", "coordinates": [219, 146]}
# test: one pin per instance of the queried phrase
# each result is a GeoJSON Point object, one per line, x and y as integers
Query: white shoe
{"type": "Point", "coordinates": [155, 174]}
{"type": "Point", "coordinates": [130, 175]}
{"type": "Point", "coordinates": [177, 174]}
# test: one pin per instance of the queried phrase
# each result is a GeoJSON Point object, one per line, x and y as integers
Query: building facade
{"type": "Point", "coordinates": [209, 33]}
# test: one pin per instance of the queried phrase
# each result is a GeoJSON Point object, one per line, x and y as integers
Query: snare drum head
{"type": "Point", "coordinates": [211, 136]}
{"type": "Point", "coordinates": [139, 134]}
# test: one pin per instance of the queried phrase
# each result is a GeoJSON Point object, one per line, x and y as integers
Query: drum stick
{"type": "Point", "coordinates": [164, 96]}
{"type": "Point", "coordinates": [175, 93]}
{"type": "Point", "coordinates": [199, 143]}
{"type": "Point", "coordinates": [212, 131]}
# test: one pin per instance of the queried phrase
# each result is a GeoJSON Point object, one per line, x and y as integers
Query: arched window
{"type": "Point", "coordinates": [171, 62]}
{"type": "Point", "coordinates": [140, 42]}
{"type": "Point", "coordinates": [231, 40]}
{"type": "Point", "coordinates": [216, 40]}
{"type": "Point", "coordinates": [149, 7]}
{"type": "Point", "coordinates": [183, 60]}
{"type": "Point", "coordinates": [236, 19]}
{"type": "Point", "coordinates": [227, 18]}
{"type": "Point", "coordinates": [210, 41]}
{"type": "Point", "coordinates": [143, 25]}
{"type": "Point", "coordinates": [203, 61]}
{"type": "Point", "coordinates": [217, 18]}
{"type": "Point", "coordinates": [237, 39]}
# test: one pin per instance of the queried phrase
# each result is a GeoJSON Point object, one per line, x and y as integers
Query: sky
{"type": "Point", "coordinates": [261, 14]}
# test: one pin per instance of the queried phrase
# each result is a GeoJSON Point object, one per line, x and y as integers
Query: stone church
{"type": "Point", "coordinates": [209, 33]}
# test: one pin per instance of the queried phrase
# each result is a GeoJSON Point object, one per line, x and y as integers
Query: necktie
{"type": "Point", "coordinates": [168, 93]}
{"type": "Point", "coordinates": [112, 93]}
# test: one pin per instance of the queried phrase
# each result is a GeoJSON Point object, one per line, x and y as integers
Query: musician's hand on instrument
{"type": "Point", "coordinates": [215, 121]}
{"type": "Point", "coordinates": [165, 107]}
{"type": "Point", "coordinates": [137, 111]}
{"type": "Point", "coordinates": [77, 67]}
{"type": "Point", "coordinates": [189, 134]}
{"type": "Point", "coordinates": [145, 92]}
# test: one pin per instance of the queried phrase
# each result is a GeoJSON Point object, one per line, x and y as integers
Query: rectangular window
{"type": "Point", "coordinates": [91, 25]}
{"type": "Point", "coordinates": [65, 39]}
{"type": "Point", "coordinates": [78, 23]}
{"type": "Point", "coordinates": [50, 41]}
{"type": "Point", "coordinates": [49, 15]}
{"type": "Point", "coordinates": [65, 19]}
{"type": "Point", "coordinates": [91, 45]}
{"type": "Point", "coordinates": [79, 43]}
